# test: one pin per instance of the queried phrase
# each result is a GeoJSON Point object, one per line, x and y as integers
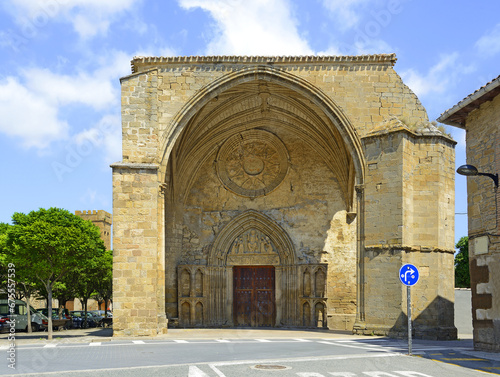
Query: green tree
{"type": "Point", "coordinates": [462, 275]}
{"type": "Point", "coordinates": [51, 243]}
{"type": "Point", "coordinates": [25, 288]}
{"type": "Point", "coordinates": [104, 280]}
{"type": "Point", "coordinates": [3, 254]}
{"type": "Point", "coordinates": [86, 284]}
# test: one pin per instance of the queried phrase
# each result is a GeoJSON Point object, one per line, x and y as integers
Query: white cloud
{"type": "Point", "coordinates": [84, 88]}
{"type": "Point", "coordinates": [31, 104]}
{"type": "Point", "coordinates": [489, 44]}
{"type": "Point", "coordinates": [257, 27]}
{"type": "Point", "coordinates": [106, 134]}
{"type": "Point", "coordinates": [89, 17]}
{"type": "Point", "coordinates": [29, 116]}
{"type": "Point", "coordinates": [439, 79]}
{"type": "Point", "coordinates": [92, 198]}
{"type": "Point", "coordinates": [346, 12]}
{"type": "Point", "coordinates": [360, 46]}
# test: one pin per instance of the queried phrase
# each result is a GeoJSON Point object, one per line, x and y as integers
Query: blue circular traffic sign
{"type": "Point", "coordinates": [408, 274]}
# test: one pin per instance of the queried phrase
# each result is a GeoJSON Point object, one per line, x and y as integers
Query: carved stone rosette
{"type": "Point", "coordinates": [252, 163]}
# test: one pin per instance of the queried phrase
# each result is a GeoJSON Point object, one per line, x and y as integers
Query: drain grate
{"type": "Point", "coordinates": [270, 367]}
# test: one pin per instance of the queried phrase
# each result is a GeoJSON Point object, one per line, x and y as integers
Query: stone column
{"type": "Point", "coordinates": [360, 255]}
{"type": "Point", "coordinates": [136, 310]}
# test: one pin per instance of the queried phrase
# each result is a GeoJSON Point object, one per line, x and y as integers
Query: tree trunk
{"type": "Point", "coordinates": [28, 307]}
{"type": "Point", "coordinates": [85, 308]}
{"type": "Point", "coordinates": [49, 310]}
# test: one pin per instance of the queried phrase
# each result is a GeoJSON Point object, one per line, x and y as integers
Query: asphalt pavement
{"type": "Point", "coordinates": [459, 352]}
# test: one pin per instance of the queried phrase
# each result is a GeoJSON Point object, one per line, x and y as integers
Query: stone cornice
{"type": "Point", "coordinates": [140, 63]}
{"type": "Point", "coordinates": [408, 248]}
{"type": "Point", "coordinates": [134, 165]}
{"type": "Point", "coordinates": [379, 134]}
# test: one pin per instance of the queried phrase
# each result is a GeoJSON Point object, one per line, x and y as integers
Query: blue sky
{"type": "Point", "coordinates": [61, 61]}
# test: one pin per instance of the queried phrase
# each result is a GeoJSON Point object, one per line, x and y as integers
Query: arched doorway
{"type": "Point", "coordinates": [260, 150]}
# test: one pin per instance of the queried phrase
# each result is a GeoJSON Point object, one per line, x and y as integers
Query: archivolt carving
{"type": "Point", "coordinates": [315, 117]}
{"type": "Point", "coordinates": [255, 237]}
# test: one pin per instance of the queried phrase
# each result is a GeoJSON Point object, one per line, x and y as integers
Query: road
{"type": "Point", "coordinates": [299, 357]}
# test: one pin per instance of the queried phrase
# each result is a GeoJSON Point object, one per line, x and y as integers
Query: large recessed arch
{"type": "Point", "coordinates": [292, 101]}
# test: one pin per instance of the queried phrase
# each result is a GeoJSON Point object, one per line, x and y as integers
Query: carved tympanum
{"type": "Point", "coordinates": [252, 247]}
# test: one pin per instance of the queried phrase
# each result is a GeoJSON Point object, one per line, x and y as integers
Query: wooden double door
{"type": "Point", "coordinates": [254, 296]}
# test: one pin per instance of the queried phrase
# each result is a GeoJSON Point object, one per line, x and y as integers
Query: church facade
{"type": "Point", "coordinates": [280, 192]}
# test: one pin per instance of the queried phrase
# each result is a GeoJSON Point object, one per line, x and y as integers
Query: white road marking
{"type": "Point", "coordinates": [214, 368]}
{"type": "Point", "coordinates": [303, 340]}
{"type": "Point", "coordinates": [180, 341]}
{"type": "Point", "coordinates": [196, 372]}
{"type": "Point", "coordinates": [352, 346]}
{"type": "Point", "coordinates": [51, 345]}
{"type": "Point", "coordinates": [138, 342]}
{"type": "Point", "coordinates": [286, 360]}
{"type": "Point", "coordinates": [223, 340]}
{"type": "Point", "coordinates": [263, 340]}
{"type": "Point", "coordinates": [95, 344]}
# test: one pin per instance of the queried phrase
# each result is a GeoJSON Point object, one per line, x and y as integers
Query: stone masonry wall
{"type": "Point", "coordinates": [409, 219]}
{"type": "Point", "coordinates": [135, 255]}
{"type": "Point", "coordinates": [102, 220]}
{"type": "Point", "coordinates": [483, 151]}
{"type": "Point", "coordinates": [367, 93]}
{"type": "Point", "coordinates": [154, 99]}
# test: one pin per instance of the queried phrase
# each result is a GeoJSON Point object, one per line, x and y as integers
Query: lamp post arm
{"type": "Point", "coordinates": [492, 176]}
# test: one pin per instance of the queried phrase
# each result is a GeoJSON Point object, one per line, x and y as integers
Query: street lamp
{"type": "Point", "coordinates": [471, 170]}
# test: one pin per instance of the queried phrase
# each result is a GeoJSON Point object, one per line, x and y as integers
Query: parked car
{"type": "Point", "coordinates": [79, 317]}
{"type": "Point", "coordinates": [102, 313]}
{"type": "Point", "coordinates": [65, 322]}
{"type": "Point", "coordinates": [97, 317]}
{"type": "Point", "coordinates": [76, 318]}
{"type": "Point", "coordinates": [102, 320]}
{"type": "Point", "coordinates": [19, 313]}
{"type": "Point", "coordinates": [4, 324]}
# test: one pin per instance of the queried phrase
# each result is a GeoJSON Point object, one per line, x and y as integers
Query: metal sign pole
{"type": "Point", "coordinates": [408, 300]}
{"type": "Point", "coordinates": [408, 274]}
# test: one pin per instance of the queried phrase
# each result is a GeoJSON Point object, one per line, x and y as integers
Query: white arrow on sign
{"type": "Point", "coordinates": [410, 272]}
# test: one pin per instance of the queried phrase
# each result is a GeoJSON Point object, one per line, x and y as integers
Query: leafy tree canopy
{"type": "Point", "coordinates": [52, 242]}
{"type": "Point", "coordinates": [48, 244]}
{"type": "Point", "coordinates": [3, 253]}
{"type": "Point", "coordinates": [462, 275]}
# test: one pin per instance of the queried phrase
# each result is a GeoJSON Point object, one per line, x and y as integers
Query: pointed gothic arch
{"type": "Point", "coordinates": [248, 220]}
{"type": "Point", "coordinates": [350, 166]}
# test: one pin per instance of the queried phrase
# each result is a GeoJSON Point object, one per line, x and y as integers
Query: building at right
{"type": "Point", "coordinates": [479, 115]}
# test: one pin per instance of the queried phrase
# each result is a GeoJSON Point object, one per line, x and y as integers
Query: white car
{"type": "Point", "coordinates": [18, 313]}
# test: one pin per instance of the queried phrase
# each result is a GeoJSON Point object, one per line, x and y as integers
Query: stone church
{"type": "Point", "coordinates": [280, 192]}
